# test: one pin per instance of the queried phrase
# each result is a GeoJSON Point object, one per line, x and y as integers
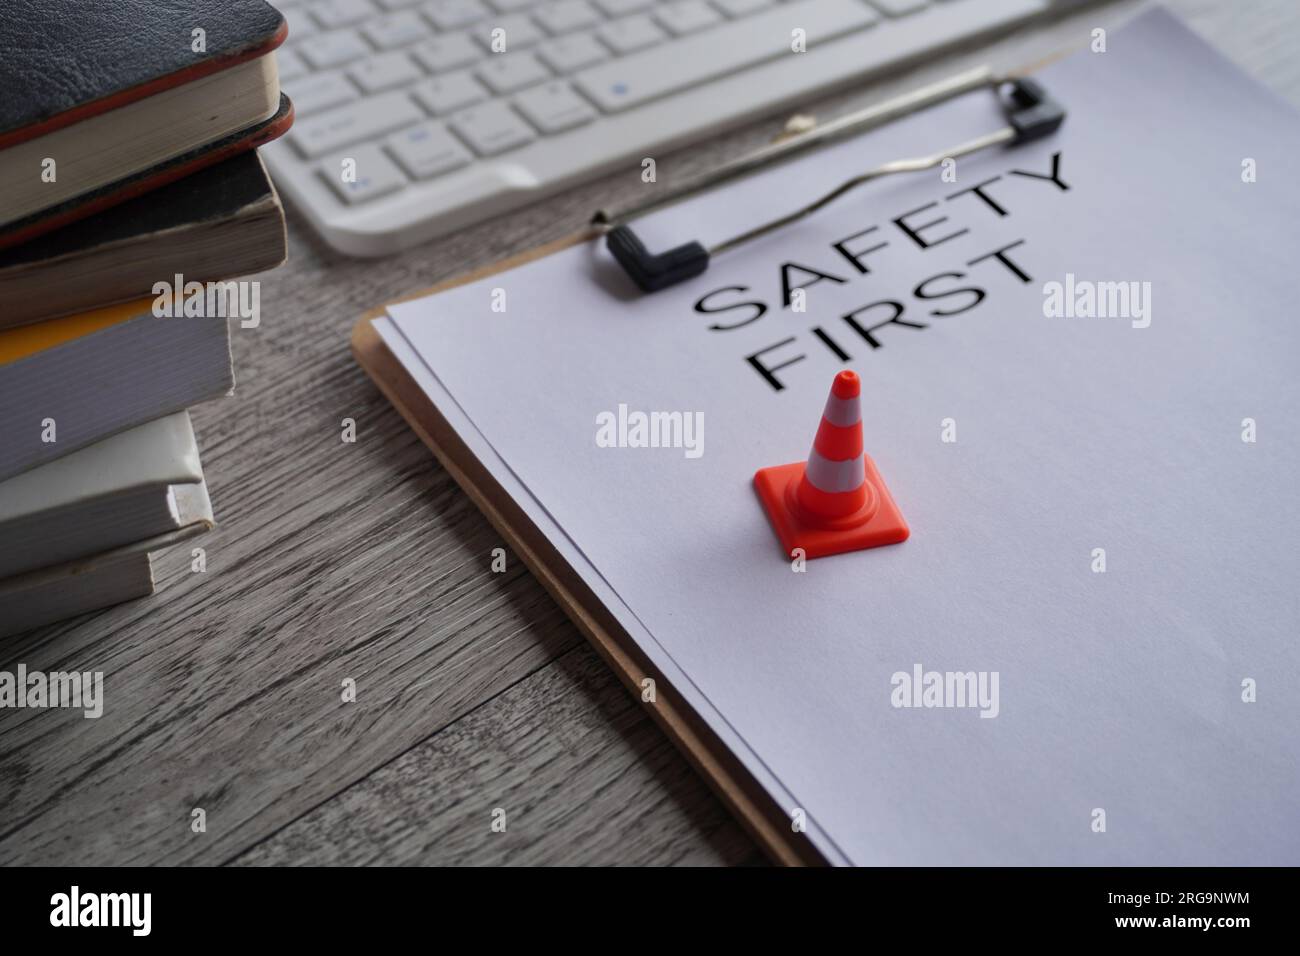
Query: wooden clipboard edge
{"type": "Point", "coordinates": [761, 816]}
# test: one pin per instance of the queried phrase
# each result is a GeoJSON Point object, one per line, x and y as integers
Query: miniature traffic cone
{"type": "Point", "coordinates": [836, 501]}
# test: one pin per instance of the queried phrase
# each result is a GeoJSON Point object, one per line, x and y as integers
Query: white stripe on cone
{"type": "Point", "coordinates": [835, 477]}
{"type": "Point", "coordinates": [842, 411]}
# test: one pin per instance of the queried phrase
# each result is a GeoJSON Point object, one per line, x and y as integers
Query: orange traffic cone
{"type": "Point", "coordinates": [837, 501]}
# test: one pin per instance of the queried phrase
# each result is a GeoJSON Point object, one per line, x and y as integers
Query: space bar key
{"type": "Point", "coordinates": [713, 53]}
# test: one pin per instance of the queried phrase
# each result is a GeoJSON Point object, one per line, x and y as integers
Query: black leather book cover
{"type": "Point", "coordinates": [213, 194]}
{"type": "Point", "coordinates": [64, 60]}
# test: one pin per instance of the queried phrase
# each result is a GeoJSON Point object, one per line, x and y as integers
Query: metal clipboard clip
{"type": "Point", "coordinates": [1030, 114]}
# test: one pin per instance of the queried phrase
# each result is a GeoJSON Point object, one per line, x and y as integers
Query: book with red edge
{"type": "Point", "coordinates": [108, 101]}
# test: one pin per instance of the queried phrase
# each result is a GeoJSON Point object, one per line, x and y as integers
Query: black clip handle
{"type": "Point", "coordinates": [654, 272]}
{"type": "Point", "coordinates": [1030, 111]}
{"type": "Point", "coordinates": [1031, 114]}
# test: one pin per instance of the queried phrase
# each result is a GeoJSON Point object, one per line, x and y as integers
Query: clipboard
{"type": "Point", "coordinates": [765, 821]}
{"type": "Point", "coordinates": [1030, 112]}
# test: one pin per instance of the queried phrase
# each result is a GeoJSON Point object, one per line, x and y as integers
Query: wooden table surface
{"type": "Point", "coordinates": [365, 561]}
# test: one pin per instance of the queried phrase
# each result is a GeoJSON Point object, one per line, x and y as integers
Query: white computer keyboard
{"type": "Point", "coordinates": [418, 117]}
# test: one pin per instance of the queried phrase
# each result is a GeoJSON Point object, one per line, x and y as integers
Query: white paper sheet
{"type": "Point", "coordinates": [1119, 691]}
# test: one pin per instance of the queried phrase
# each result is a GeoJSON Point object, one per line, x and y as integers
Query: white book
{"type": "Point", "coordinates": [50, 595]}
{"type": "Point", "coordinates": [138, 484]}
{"type": "Point", "coordinates": [87, 584]}
{"type": "Point", "coordinates": [66, 383]}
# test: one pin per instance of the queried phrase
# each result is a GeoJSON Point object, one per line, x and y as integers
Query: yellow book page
{"type": "Point", "coordinates": [25, 340]}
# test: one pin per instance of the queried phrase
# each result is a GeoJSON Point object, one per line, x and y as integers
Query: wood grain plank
{"type": "Point", "coordinates": [580, 771]}
{"type": "Point", "coordinates": [365, 561]}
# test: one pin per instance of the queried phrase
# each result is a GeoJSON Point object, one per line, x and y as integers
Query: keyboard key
{"type": "Point", "coordinates": [554, 107]}
{"type": "Point", "coordinates": [574, 52]}
{"type": "Point", "coordinates": [741, 8]}
{"type": "Point", "coordinates": [362, 119]}
{"type": "Point", "coordinates": [631, 34]}
{"type": "Point", "coordinates": [492, 128]}
{"type": "Point", "coordinates": [508, 72]}
{"type": "Point", "coordinates": [519, 32]}
{"type": "Point", "coordinates": [899, 8]}
{"type": "Point", "coordinates": [335, 48]}
{"type": "Point", "coordinates": [621, 8]}
{"type": "Point", "coordinates": [445, 94]}
{"type": "Point", "coordinates": [341, 13]}
{"type": "Point", "coordinates": [427, 150]}
{"type": "Point", "coordinates": [510, 6]}
{"type": "Point", "coordinates": [396, 30]}
{"type": "Point", "coordinates": [565, 16]}
{"type": "Point", "coordinates": [319, 91]}
{"type": "Point", "coordinates": [454, 14]}
{"type": "Point", "coordinates": [397, 4]}
{"type": "Point", "coordinates": [375, 174]}
{"type": "Point", "coordinates": [448, 51]}
{"type": "Point", "coordinates": [289, 65]}
{"type": "Point", "coordinates": [384, 71]}
{"type": "Point", "coordinates": [686, 16]}
{"type": "Point", "coordinates": [300, 23]}
{"type": "Point", "coordinates": [723, 50]}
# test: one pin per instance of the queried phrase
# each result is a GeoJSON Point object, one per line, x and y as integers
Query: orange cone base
{"type": "Point", "coordinates": [884, 526]}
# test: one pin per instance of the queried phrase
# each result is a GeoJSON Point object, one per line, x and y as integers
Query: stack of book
{"type": "Point", "coordinates": [131, 199]}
